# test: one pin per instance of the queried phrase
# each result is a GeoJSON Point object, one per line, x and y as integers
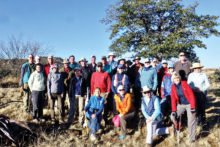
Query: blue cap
{"type": "Point", "coordinates": [121, 66]}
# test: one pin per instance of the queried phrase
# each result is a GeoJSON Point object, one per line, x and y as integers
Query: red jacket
{"type": "Point", "coordinates": [101, 80]}
{"type": "Point", "coordinates": [47, 68]}
{"type": "Point", "coordinates": [187, 91]}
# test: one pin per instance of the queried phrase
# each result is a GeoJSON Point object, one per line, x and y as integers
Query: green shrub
{"type": "Point", "coordinates": [216, 75]}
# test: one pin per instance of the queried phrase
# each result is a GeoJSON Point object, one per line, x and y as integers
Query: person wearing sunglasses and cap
{"type": "Point", "coordinates": [199, 83]}
{"type": "Point", "coordinates": [125, 108]}
{"type": "Point", "coordinates": [182, 67]}
{"type": "Point", "coordinates": [150, 107]}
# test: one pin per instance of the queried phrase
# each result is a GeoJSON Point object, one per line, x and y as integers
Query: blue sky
{"type": "Point", "coordinates": [74, 27]}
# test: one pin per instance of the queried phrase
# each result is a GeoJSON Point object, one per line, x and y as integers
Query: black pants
{"type": "Point", "coordinates": [38, 102]}
{"type": "Point", "coordinates": [200, 106]}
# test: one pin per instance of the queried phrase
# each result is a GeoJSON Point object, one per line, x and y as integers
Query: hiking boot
{"type": "Point", "coordinates": [92, 137]}
{"type": "Point", "coordinates": [61, 120]}
{"type": "Point", "coordinates": [42, 120]}
{"type": "Point", "coordinates": [53, 121]}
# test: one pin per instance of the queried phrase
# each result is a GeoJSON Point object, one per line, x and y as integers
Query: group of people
{"type": "Point", "coordinates": [155, 88]}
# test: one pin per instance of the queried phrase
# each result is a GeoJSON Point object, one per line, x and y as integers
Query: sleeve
{"type": "Point", "coordinates": [137, 83]}
{"type": "Point", "coordinates": [190, 81]}
{"type": "Point", "coordinates": [191, 96]}
{"type": "Point", "coordinates": [155, 80]}
{"type": "Point", "coordinates": [207, 84]}
{"type": "Point", "coordinates": [127, 84]}
{"type": "Point", "coordinates": [157, 109]}
{"type": "Point", "coordinates": [173, 98]}
{"type": "Point", "coordinates": [129, 102]}
{"type": "Point", "coordinates": [113, 88]}
{"type": "Point", "coordinates": [117, 104]}
{"type": "Point", "coordinates": [49, 85]}
{"type": "Point", "coordinates": [30, 81]}
{"type": "Point", "coordinates": [108, 83]}
{"type": "Point", "coordinates": [162, 88]}
{"type": "Point", "coordinates": [101, 107]}
{"type": "Point", "coordinates": [22, 76]}
{"type": "Point", "coordinates": [144, 111]}
{"type": "Point", "coordinates": [92, 83]}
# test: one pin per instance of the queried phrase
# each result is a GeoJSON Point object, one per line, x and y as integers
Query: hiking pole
{"type": "Point", "coordinates": [178, 129]}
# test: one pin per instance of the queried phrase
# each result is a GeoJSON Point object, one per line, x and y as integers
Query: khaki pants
{"type": "Point", "coordinates": [55, 97]}
{"type": "Point", "coordinates": [80, 104]}
{"type": "Point", "coordinates": [105, 110]}
{"type": "Point", "coordinates": [27, 98]}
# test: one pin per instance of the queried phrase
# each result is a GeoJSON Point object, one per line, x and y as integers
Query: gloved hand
{"type": "Point", "coordinates": [174, 114]}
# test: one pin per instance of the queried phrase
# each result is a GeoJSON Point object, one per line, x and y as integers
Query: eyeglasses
{"type": "Point", "coordinates": [121, 90]}
{"type": "Point", "coordinates": [146, 92]}
{"type": "Point", "coordinates": [182, 55]}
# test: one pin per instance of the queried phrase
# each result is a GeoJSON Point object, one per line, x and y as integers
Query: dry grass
{"type": "Point", "coordinates": [50, 135]}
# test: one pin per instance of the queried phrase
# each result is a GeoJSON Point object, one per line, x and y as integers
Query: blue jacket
{"type": "Point", "coordinates": [25, 73]}
{"type": "Point", "coordinates": [166, 85]}
{"type": "Point", "coordinates": [126, 83]}
{"type": "Point", "coordinates": [151, 108]}
{"type": "Point", "coordinates": [146, 78]}
{"type": "Point", "coordinates": [94, 103]}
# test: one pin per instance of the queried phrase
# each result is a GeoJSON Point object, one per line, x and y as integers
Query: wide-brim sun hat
{"type": "Point", "coordinates": [146, 89]}
{"type": "Point", "coordinates": [83, 60]}
{"type": "Point", "coordinates": [196, 65]}
{"type": "Point", "coordinates": [136, 58]}
{"type": "Point", "coordinates": [65, 61]}
{"type": "Point", "coordinates": [111, 54]}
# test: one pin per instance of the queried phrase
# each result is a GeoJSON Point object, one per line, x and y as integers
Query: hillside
{"type": "Point", "coordinates": [46, 134]}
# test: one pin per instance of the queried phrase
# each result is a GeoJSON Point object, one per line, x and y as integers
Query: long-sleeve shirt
{"type": "Point", "coordinates": [95, 103]}
{"type": "Point", "coordinates": [101, 80]}
{"type": "Point", "coordinates": [157, 108]}
{"type": "Point", "coordinates": [36, 81]}
{"type": "Point", "coordinates": [55, 83]}
{"type": "Point", "coordinates": [125, 105]}
{"type": "Point", "coordinates": [198, 81]}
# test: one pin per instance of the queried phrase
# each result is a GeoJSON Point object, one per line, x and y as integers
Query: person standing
{"type": "Point", "coordinates": [199, 83]}
{"type": "Point", "coordinates": [102, 80]}
{"type": "Point", "coordinates": [160, 73]}
{"type": "Point", "coordinates": [182, 99]}
{"type": "Point", "coordinates": [125, 108]}
{"type": "Point", "coordinates": [26, 70]}
{"type": "Point", "coordinates": [112, 63]}
{"type": "Point", "coordinates": [147, 76]}
{"type": "Point", "coordinates": [135, 68]}
{"type": "Point", "coordinates": [151, 110]}
{"type": "Point", "coordinates": [93, 64]}
{"type": "Point", "coordinates": [55, 88]}
{"type": "Point", "coordinates": [48, 67]}
{"type": "Point", "coordinates": [106, 67]}
{"type": "Point", "coordinates": [72, 63]}
{"type": "Point", "coordinates": [37, 84]}
{"type": "Point", "coordinates": [182, 67]}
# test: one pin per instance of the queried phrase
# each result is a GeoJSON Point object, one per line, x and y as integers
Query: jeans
{"type": "Point", "coordinates": [94, 123]}
{"type": "Point", "coordinates": [37, 100]}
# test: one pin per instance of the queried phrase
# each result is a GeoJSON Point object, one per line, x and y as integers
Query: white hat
{"type": "Point", "coordinates": [120, 87]}
{"type": "Point", "coordinates": [37, 57]}
{"type": "Point", "coordinates": [146, 60]}
{"type": "Point", "coordinates": [145, 88]}
{"type": "Point", "coordinates": [196, 65]}
{"type": "Point", "coordinates": [111, 54]}
{"type": "Point", "coordinates": [164, 61]}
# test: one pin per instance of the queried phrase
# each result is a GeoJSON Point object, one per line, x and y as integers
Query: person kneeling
{"type": "Point", "coordinates": [125, 108]}
{"type": "Point", "coordinates": [151, 110]}
{"type": "Point", "coordinates": [93, 112]}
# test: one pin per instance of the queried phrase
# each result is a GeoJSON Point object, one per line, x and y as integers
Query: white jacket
{"type": "Point", "coordinates": [36, 81]}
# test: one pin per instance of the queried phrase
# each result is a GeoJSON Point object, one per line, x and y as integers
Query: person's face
{"type": "Point", "coordinates": [197, 70]}
{"type": "Point", "coordinates": [103, 61]}
{"type": "Point", "coordinates": [147, 64]}
{"type": "Point", "coordinates": [37, 60]}
{"type": "Point", "coordinates": [171, 70]}
{"type": "Point", "coordinates": [99, 68]}
{"type": "Point", "coordinates": [72, 59]}
{"type": "Point", "coordinates": [146, 94]}
{"type": "Point", "coordinates": [122, 62]}
{"type": "Point", "coordinates": [176, 81]}
{"type": "Point", "coordinates": [93, 59]}
{"type": "Point", "coordinates": [182, 57]}
{"type": "Point", "coordinates": [111, 58]}
{"type": "Point", "coordinates": [78, 73]}
{"type": "Point", "coordinates": [30, 59]}
{"type": "Point", "coordinates": [121, 70]}
{"type": "Point", "coordinates": [121, 91]}
{"type": "Point", "coordinates": [50, 59]}
{"type": "Point", "coordinates": [137, 61]}
{"type": "Point", "coordinates": [38, 68]}
{"type": "Point", "coordinates": [66, 65]}
{"type": "Point", "coordinates": [154, 63]}
{"type": "Point", "coordinates": [83, 63]}
{"type": "Point", "coordinates": [164, 65]}
{"type": "Point", "coordinates": [97, 92]}
{"type": "Point", "coordinates": [55, 69]}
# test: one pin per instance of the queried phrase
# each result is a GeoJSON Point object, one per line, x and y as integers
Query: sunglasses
{"type": "Point", "coordinates": [182, 55]}
{"type": "Point", "coordinates": [121, 90]}
{"type": "Point", "coordinates": [146, 92]}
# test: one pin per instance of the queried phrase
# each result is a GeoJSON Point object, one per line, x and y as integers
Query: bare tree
{"type": "Point", "coordinates": [16, 47]}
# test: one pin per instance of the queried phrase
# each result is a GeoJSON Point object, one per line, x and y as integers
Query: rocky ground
{"type": "Point", "coordinates": [46, 134]}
